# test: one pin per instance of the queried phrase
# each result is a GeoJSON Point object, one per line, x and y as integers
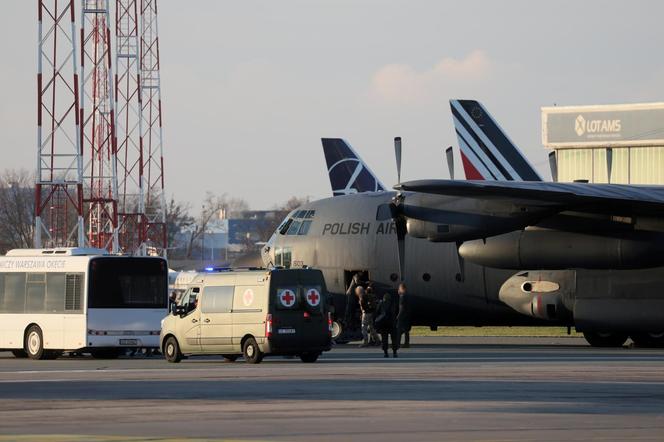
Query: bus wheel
{"type": "Point", "coordinates": [230, 358]}
{"type": "Point", "coordinates": [309, 357]}
{"type": "Point", "coordinates": [252, 353]}
{"type": "Point", "coordinates": [605, 339]}
{"type": "Point", "coordinates": [34, 343]}
{"type": "Point", "coordinates": [19, 354]}
{"type": "Point", "coordinates": [106, 353]}
{"type": "Point", "coordinates": [172, 350]}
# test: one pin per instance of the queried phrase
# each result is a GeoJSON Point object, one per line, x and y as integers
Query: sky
{"type": "Point", "coordinates": [249, 88]}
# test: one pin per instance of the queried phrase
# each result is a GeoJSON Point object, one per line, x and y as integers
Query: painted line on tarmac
{"type": "Point", "coordinates": [332, 361]}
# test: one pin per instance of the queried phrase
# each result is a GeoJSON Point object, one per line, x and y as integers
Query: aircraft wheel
{"type": "Point", "coordinates": [648, 340]}
{"type": "Point", "coordinates": [252, 353]}
{"type": "Point", "coordinates": [605, 339]}
{"type": "Point", "coordinates": [172, 351]}
{"type": "Point", "coordinates": [337, 330]}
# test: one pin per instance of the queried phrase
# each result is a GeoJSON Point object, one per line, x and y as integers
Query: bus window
{"type": "Point", "coordinates": [128, 283]}
{"type": "Point", "coordinates": [35, 293]}
{"type": "Point", "coordinates": [14, 290]}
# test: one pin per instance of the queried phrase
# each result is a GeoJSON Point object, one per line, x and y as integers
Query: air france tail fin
{"type": "Point", "coordinates": [348, 173]}
{"type": "Point", "coordinates": [487, 153]}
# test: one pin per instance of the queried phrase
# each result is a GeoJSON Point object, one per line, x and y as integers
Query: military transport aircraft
{"type": "Point", "coordinates": [465, 247]}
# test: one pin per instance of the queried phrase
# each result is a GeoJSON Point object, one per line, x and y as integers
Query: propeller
{"type": "Point", "coordinates": [397, 155]}
{"type": "Point", "coordinates": [396, 212]}
{"type": "Point", "coordinates": [553, 164]}
{"type": "Point", "coordinates": [609, 163]}
{"type": "Point", "coordinates": [449, 154]}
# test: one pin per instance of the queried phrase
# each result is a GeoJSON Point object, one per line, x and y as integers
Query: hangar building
{"type": "Point", "coordinates": [582, 135]}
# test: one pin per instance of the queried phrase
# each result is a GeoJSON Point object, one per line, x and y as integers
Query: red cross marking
{"type": "Point", "coordinates": [313, 297]}
{"type": "Point", "coordinates": [287, 297]}
{"type": "Point", "coordinates": [248, 297]}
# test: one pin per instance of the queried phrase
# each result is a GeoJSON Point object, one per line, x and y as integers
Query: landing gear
{"type": "Point", "coordinates": [605, 339]}
{"type": "Point", "coordinates": [648, 340]}
{"type": "Point", "coordinates": [337, 330]}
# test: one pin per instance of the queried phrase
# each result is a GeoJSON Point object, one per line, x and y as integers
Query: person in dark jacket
{"type": "Point", "coordinates": [403, 317]}
{"type": "Point", "coordinates": [352, 300]}
{"type": "Point", "coordinates": [386, 324]}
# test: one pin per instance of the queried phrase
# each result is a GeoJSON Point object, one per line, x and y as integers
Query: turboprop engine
{"type": "Point", "coordinates": [552, 249]}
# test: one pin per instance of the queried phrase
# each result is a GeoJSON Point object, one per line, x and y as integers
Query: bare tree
{"type": "Point", "coordinates": [177, 217]}
{"type": "Point", "coordinates": [16, 209]}
{"type": "Point", "coordinates": [213, 205]}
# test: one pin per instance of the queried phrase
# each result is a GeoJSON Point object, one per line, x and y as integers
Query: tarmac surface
{"type": "Point", "coordinates": [440, 388]}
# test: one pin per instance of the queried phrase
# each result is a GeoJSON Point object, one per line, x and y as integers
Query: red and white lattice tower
{"type": "Point", "coordinates": [128, 128]}
{"type": "Point", "coordinates": [156, 236]}
{"type": "Point", "coordinates": [58, 190]}
{"type": "Point", "coordinates": [100, 184]}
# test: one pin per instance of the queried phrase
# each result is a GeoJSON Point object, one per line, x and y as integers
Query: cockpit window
{"type": "Point", "coordinates": [294, 227]}
{"type": "Point", "coordinates": [298, 223]}
{"type": "Point", "coordinates": [284, 227]}
{"type": "Point", "coordinates": [304, 227]}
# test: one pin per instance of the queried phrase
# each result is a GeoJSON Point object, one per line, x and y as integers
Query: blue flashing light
{"type": "Point", "coordinates": [209, 269]}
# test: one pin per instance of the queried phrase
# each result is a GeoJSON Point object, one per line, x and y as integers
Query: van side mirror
{"type": "Point", "coordinates": [179, 310]}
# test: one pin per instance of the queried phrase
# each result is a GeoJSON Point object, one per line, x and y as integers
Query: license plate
{"type": "Point", "coordinates": [128, 341]}
{"type": "Point", "coordinates": [286, 331]}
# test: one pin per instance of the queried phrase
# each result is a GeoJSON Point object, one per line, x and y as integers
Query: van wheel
{"type": "Point", "coordinates": [34, 343]}
{"type": "Point", "coordinates": [605, 339]}
{"type": "Point", "coordinates": [172, 351]}
{"type": "Point", "coordinates": [19, 354]}
{"type": "Point", "coordinates": [252, 353]}
{"type": "Point", "coordinates": [230, 358]}
{"type": "Point", "coordinates": [309, 357]}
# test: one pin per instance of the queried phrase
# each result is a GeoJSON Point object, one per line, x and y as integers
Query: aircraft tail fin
{"type": "Point", "coordinates": [487, 153]}
{"type": "Point", "coordinates": [348, 173]}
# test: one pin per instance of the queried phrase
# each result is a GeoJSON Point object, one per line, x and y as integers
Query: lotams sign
{"type": "Point", "coordinates": [601, 126]}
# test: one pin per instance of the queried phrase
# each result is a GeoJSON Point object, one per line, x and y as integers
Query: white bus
{"type": "Point", "coordinates": [77, 299]}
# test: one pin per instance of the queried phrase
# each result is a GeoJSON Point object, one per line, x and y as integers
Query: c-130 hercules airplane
{"type": "Point", "coordinates": [479, 252]}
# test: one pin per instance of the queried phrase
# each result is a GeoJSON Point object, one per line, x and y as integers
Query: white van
{"type": "Point", "coordinates": [251, 313]}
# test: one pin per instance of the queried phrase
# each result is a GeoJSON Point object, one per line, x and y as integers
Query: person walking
{"type": "Point", "coordinates": [368, 308]}
{"type": "Point", "coordinates": [403, 317]}
{"type": "Point", "coordinates": [386, 324]}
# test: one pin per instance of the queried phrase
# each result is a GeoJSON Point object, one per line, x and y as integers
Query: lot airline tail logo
{"type": "Point", "coordinates": [596, 128]}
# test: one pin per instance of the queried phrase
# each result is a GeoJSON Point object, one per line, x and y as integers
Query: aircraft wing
{"type": "Point", "coordinates": [618, 199]}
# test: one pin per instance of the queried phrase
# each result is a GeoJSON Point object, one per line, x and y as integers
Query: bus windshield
{"type": "Point", "coordinates": [127, 282]}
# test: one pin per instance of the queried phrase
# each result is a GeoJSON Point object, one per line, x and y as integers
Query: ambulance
{"type": "Point", "coordinates": [250, 313]}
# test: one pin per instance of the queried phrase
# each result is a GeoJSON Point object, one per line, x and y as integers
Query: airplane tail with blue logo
{"type": "Point", "coordinates": [487, 153]}
{"type": "Point", "coordinates": [348, 173]}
